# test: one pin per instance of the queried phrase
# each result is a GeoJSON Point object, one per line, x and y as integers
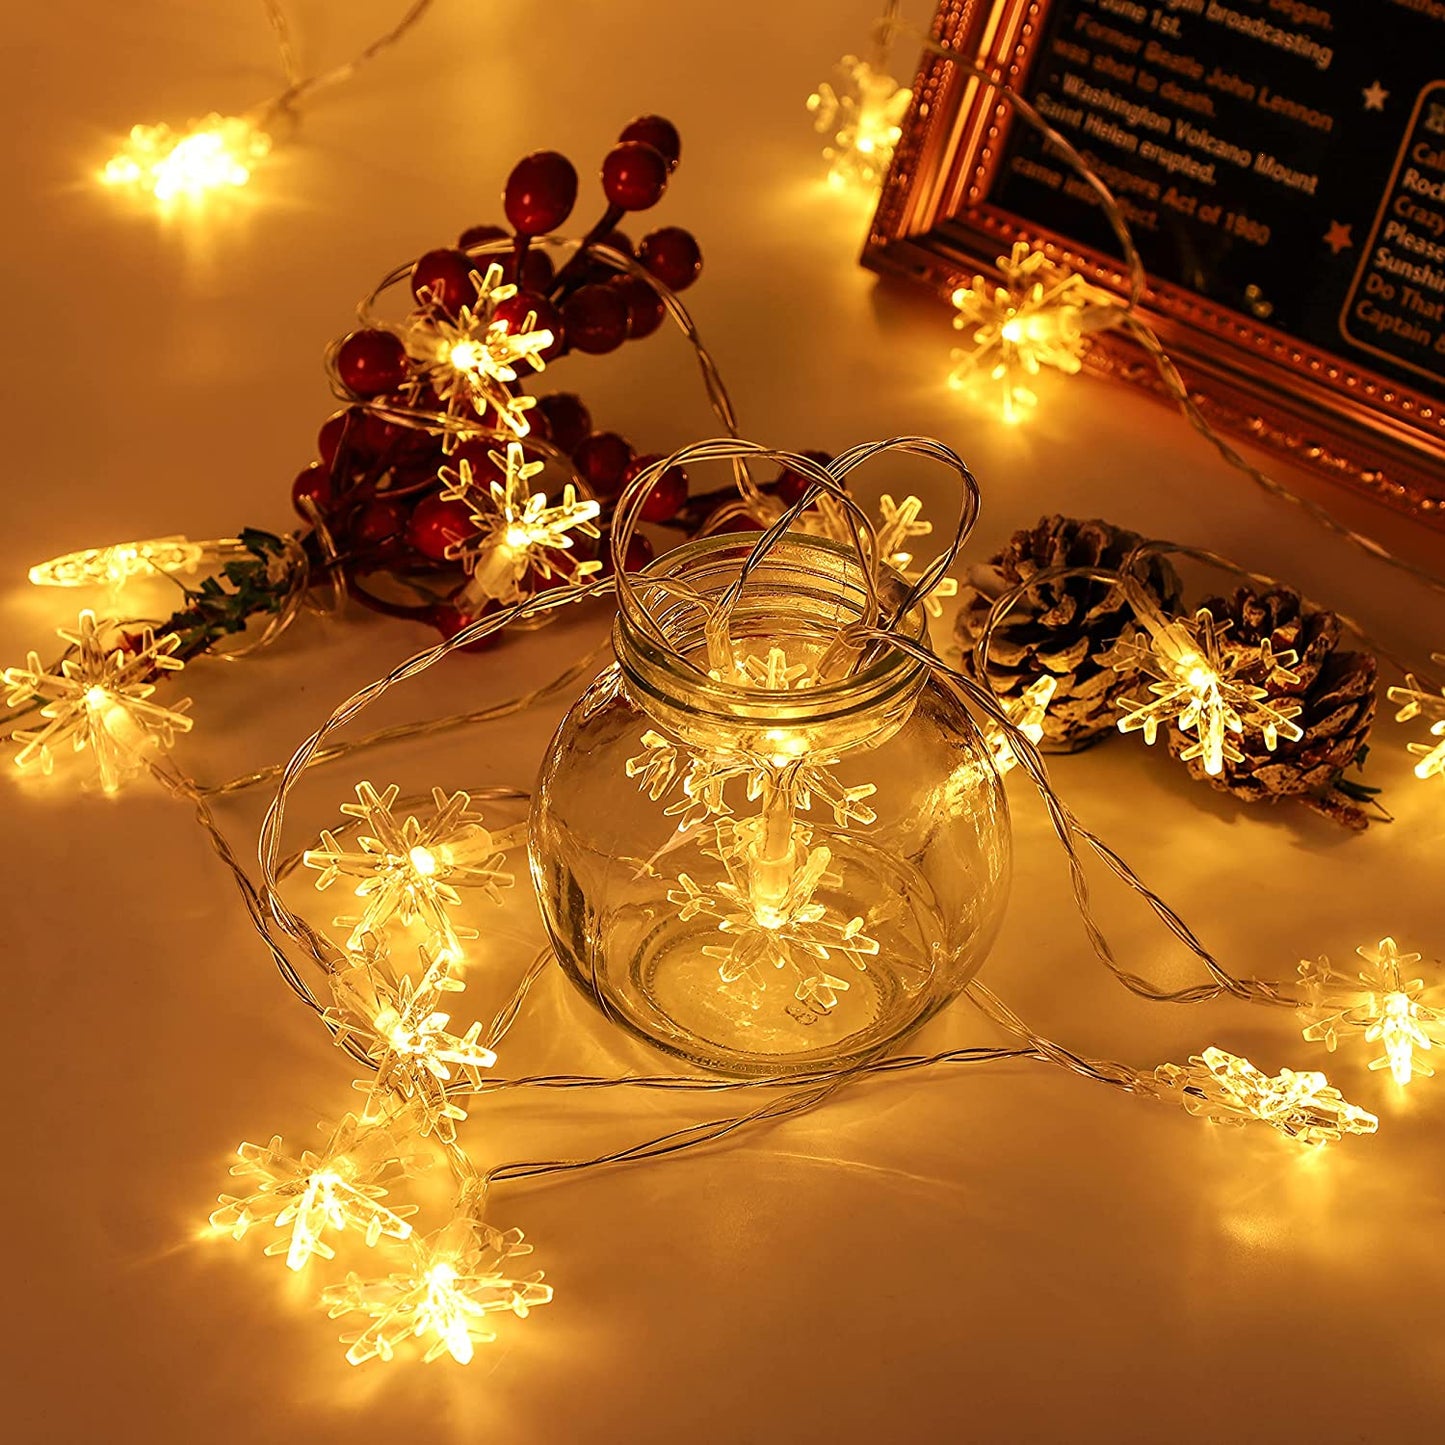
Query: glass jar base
{"type": "Point", "coordinates": [683, 993]}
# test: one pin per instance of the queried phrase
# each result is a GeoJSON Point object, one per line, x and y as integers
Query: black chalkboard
{"type": "Point", "coordinates": [1281, 164]}
{"type": "Point", "coordinates": [1283, 158]}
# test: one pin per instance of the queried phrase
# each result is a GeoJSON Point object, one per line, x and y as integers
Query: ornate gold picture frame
{"type": "Point", "coordinates": [1333, 355]}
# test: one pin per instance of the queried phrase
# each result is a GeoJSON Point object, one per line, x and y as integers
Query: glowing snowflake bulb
{"type": "Point", "coordinates": [1226, 1089]}
{"type": "Point", "coordinates": [214, 154]}
{"type": "Point", "coordinates": [457, 1278]}
{"type": "Point", "coordinates": [862, 118]}
{"type": "Point", "coordinates": [1417, 702]}
{"type": "Point", "coordinates": [1379, 1002]}
{"type": "Point", "coordinates": [413, 867]}
{"type": "Point", "coordinates": [472, 360]}
{"type": "Point", "coordinates": [316, 1194]}
{"type": "Point", "coordinates": [519, 536]}
{"type": "Point", "coordinates": [408, 1037]}
{"type": "Point", "coordinates": [1202, 685]}
{"type": "Point", "coordinates": [1026, 712]}
{"type": "Point", "coordinates": [1033, 317]}
{"type": "Point", "coordinates": [99, 701]}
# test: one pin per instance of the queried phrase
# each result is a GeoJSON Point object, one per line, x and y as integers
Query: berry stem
{"type": "Point", "coordinates": [610, 217]}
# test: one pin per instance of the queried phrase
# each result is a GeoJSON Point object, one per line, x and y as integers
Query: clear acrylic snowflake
{"type": "Point", "coordinates": [1027, 712]}
{"type": "Point", "coordinates": [471, 361]}
{"type": "Point", "coordinates": [1226, 1089]}
{"type": "Point", "coordinates": [1032, 317]}
{"type": "Point", "coordinates": [457, 1277]}
{"type": "Point", "coordinates": [773, 930]}
{"type": "Point", "coordinates": [862, 118]}
{"type": "Point", "coordinates": [411, 867]}
{"type": "Point", "coordinates": [99, 699]}
{"type": "Point", "coordinates": [899, 523]}
{"type": "Point", "coordinates": [521, 539]}
{"type": "Point", "coordinates": [1417, 702]}
{"type": "Point", "coordinates": [405, 1033]}
{"type": "Point", "coordinates": [701, 778]}
{"type": "Point", "coordinates": [1206, 686]}
{"type": "Point", "coordinates": [1378, 1002]}
{"type": "Point", "coordinates": [317, 1193]}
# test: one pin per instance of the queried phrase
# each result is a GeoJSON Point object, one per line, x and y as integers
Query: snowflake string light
{"type": "Point", "coordinates": [99, 699]}
{"type": "Point", "coordinates": [773, 916]}
{"type": "Point", "coordinates": [471, 361]}
{"type": "Point", "coordinates": [412, 867]}
{"type": "Point", "coordinates": [216, 153]}
{"type": "Point", "coordinates": [338, 1188]}
{"type": "Point", "coordinates": [788, 767]}
{"type": "Point", "coordinates": [409, 1039]}
{"type": "Point", "coordinates": [1201, 686]}
{"type": "Point", "coordinates": [1417, 702]}
{"type": "Point", "coordinates": [863, 119]}
{"type": "Point", "coordinates": [458, 1277]}
{"type": "Point", "coordinates": [1380, 1003]}
{"type": "Point", "coordinates": [1027, 713]}
{"type": "Point", "coordinates": [115, 565]}
{"type": "Point", "coordinates": [1226, 1089]}
{"type": "Point", "coordinates": [521, 541]}
{"type": "Point", "coordinates": [1032, 317]}
{"type": "Point", "coordinates": [899, 523]}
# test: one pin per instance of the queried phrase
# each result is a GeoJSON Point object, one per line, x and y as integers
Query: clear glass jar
{"type": "Point", "coordinates": [774, 874]}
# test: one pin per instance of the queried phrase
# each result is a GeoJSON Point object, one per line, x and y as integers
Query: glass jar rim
{"type": "Point", "coordinates": [828, 574]}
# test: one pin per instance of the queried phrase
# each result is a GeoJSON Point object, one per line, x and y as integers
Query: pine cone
{"type": "Point", "coordinates": [1062, 628]}
{"type": "Point", "coordinates": [1335, 688]}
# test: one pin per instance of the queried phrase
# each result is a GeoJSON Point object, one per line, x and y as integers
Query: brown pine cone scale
{"type": "Point", "coordinates": [1064, 627]}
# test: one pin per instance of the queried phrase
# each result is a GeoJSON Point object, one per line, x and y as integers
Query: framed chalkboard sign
{"type": "Point", "coordinates": [1281, 164]}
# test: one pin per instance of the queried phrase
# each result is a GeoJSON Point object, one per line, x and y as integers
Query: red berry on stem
{"type": "Point", "coordinates": [370, 362]}
{"type": "Point", "coordinates": [603, 460]}
{"type": "Point", "coordinates": [537, 271]}
{"type": "Point", "coordinates": [595, 318]}
{"type": "Point", "coordinates": [439, 523]}
{"type": "Point", "coordinates": [791, 485]}
{"type": "Point", "coordinates": [639, 554]}
{"type": "Point", "coordinates": [615, 241]}
{"type": "Point", "coordinates": [376, 435]}
{"type": "Point", "coordinates": [668, 492]}
{"type": "Point", "coordinates": [569, 419]}
{"type": "Point", "coordinates": [634, 176]}
{"type": "Point", "coordinates": [328, 439]}
{"type": "Point", "coordinates": [477, 453]}
{"type": "Point", "coordinates": [658, 133]}
{"type": "Point", "coordinates": [480, 235]}
{"type": "Point", "coordinates": [513, 313]}
{"type": "Point", "coordinates": [540, 193]}
{"type": "Point", "coordinates": [381, 522]}
{"type": "Point", "coordinates": [444, 278]}
{"type": "Point", "coordinates": [644, 305]}
{"type": "Point", "coordinates": [313, 483]}
{"type": "Point", "coordinates": [672, 255]}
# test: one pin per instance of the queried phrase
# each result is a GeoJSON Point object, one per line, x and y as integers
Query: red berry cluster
{"type": "Point", "coordinates": [376, 484]}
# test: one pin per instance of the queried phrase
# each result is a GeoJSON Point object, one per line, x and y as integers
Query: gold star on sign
{"type": "Point", "coordinates": [1375, 96]}
{"type": "Point", "coordinates": [1338, 237]}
